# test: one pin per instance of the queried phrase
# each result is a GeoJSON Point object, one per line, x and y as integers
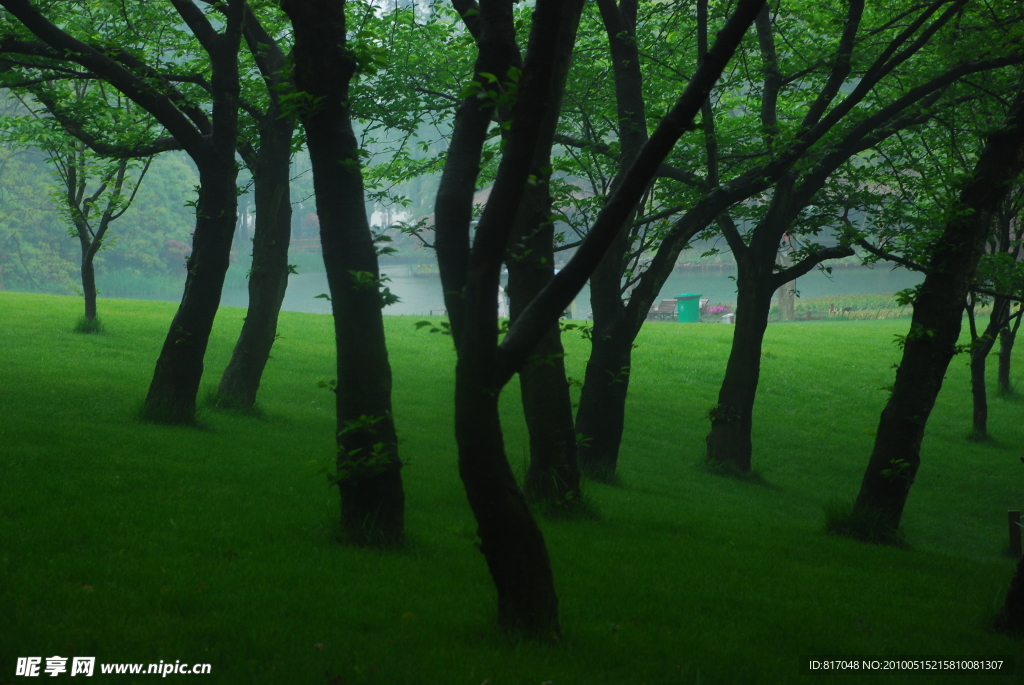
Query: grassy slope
{"type": "Point", "coordinates": [137, 542]}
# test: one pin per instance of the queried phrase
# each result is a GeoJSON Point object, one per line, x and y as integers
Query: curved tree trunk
{"type": "Point", "coordinates": [510, 539]}
{"type": "Point", "coordinates": [729, 442]}
{"type": "Point", "coordinates": [179, 368]}
{"type": "Point", "coordinates": [268, 278]}
{"type": "Point", "coordinates": [934, 330]}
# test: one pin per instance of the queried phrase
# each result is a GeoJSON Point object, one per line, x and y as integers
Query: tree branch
{"type": "Point", "coordinates": [809, 262]}
{"type": "Point", "coordinates": [535, 320]}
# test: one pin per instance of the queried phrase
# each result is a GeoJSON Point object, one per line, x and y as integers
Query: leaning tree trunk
{"type": "Point", "coordinates": [179, 368]}
{"type": "Point", "coordinates": [934, 330]}
{"type": "Point", "coordinates": [369, 469]}
{"type": "Point", "coordinates": [511, 542]}
{"type": "Point", "coordinates": [729, 442]}
{"type": "Point", "coordinates": [268, 278]}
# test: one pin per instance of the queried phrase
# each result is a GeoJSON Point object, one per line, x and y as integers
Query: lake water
{"type": "Point", "coordinates": [420, 294]}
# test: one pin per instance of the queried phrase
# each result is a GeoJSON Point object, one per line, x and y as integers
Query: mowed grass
{"type": "Point", "coordinates": [134, 542]}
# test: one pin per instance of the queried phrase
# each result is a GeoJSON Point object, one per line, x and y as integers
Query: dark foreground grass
{"type": "Point", "coordinates": [135, 542]}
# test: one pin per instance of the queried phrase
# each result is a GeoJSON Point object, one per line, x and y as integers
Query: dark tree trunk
{"type": "Point", "coordinates": [1007, 337]}
{"type": "Point", "coordinates": [179, 368]}
{"type": "Point", "coordinates": [553, 476]}
{"type": "Point", "coordinates": [268, 278]}
{"type": "Point", "coordinates": [1011, 617]}
{"type": "Point", "coordinates": [979, 354]}
{"type": "Point", "coordinates": [601, 415]}
{"type": "Point", "coordinates": [369, 469]}
{"type": "Point", "coordinates": [89, 284]}
{"type": "Point", "coordinates": [511, 541]}
{"type": "Point", "coordinates": [729, 442]}
{"type": "Point", "coordinates": [934, 330]}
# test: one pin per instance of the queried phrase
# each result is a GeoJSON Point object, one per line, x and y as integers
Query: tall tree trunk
{"type": "Point", "coordinates": [179, 368]}
{"type": "Point", "coordinates": [934, 329]}
{"type": "Point", "coordinates": [369, 469]}
{"type": "Point", "coordinates": [553, 476]}
{"type": "Point", "coordinates": [601, 415]}
{"type": "Point", "coordinates": [268, 277]}
{"type": "Point", "coordinates": [729, 442]}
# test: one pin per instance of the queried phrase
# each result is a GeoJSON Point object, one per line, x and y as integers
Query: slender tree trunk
{"type": "Point", "coordinates": [369, 469]}
{"type": "Point", "coordinates": [979, 355]}
{"type": "Point", "coordinates": [785, 295]}
{"type": "Point", "coordinates": [934, 330]}
{"type": "Point", "coordinates": [553, 475]}
{"type": "Point", "coordinates": [729, 442]}
{"type": "Point", "coordinates": [268, 278]}
{"type": "Point", "coordinates": [1007, 337]}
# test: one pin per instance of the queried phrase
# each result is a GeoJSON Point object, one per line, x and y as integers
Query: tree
{"type": "Point", "coordinates": [925, 170]}
{"type": "Point", "coordinates": [931, 341]}
{"type": "Point", "coordinates": [209, 138]}
{"type": "Point", "coordinates": [770, 171]}
{"type": "Point", "coordinates": [368, 465]}
{"type": "Point", "coordinates": [510, 539]}
{"type": "Point", "coordinates": [269, 162]}
{"type": "Point", "coordinates": [76, 166]}
{"type": "Point", "coordinates": [265, 145]}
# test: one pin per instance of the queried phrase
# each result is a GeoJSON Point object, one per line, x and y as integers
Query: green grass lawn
{"type": "Point", "coordinates": [136, 542]}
